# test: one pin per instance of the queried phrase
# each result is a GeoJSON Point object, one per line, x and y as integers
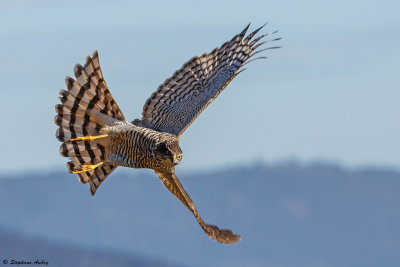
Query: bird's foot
{"type": "Point", "coordinates": [89, 138]}
{"type": "Point", "coordinates": [85, 168]}
{"type": "Point", "coordinates": [221, 235]}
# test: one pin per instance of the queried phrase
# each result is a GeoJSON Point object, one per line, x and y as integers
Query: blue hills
{"type": "Point", "coordinates": [287, 214]}
{"type": "Point", "coordinates": [21, 250]}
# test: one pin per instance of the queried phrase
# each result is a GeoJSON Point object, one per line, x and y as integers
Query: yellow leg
{"type": "Point", "coordinates": [89, 138]}
{"type": "Point", "coordinates": [85, 168]}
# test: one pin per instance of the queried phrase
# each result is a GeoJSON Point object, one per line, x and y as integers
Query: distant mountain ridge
{"type": "Point", "coordinates": [18, 248]}
{"type": "Point", "coordinates": [288, 215]}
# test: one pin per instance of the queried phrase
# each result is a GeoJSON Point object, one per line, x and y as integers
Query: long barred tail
{"type": "Point", "coordinates": [86, 108]}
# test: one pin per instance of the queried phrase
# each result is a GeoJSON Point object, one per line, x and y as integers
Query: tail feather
{"type": "Point", "coordinates": [88, 152]}
{"type": "Point", "coordinates": [93, 71]}
{"type": "Point", "coordinates": [99, 175]}
{"type": "Point", "coordinates": [88, 127]}
{"type": "Point", "coordinates": [85, 109]}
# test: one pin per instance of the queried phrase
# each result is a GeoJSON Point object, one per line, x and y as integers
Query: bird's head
{"type": "Point", "coordinates": [169, 152]}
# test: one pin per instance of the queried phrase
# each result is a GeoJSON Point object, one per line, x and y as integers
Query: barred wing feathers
{"type": "Point", "coordinates": [181, 98]}
{"type": "Point", "coordinates": [85, 109]}
{"type": "Point", "coordinates": [171, 182]}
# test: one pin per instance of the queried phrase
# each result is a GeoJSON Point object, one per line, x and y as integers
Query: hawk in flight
{"type": "Point", "coordinates": [97, 138]}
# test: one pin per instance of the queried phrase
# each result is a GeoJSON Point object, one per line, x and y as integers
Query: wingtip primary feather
{"type": "Point", "coordinates": [252, 34]}
{"type": "Point", "coordinates": [242, 34]}
{"type": "Point", "coordinates": [246, 28]}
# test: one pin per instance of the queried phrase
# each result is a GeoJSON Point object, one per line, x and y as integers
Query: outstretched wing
{"type": "Point", "coordinates": [170, 180]}
{"type": "Point", "coordinates": [181, 98]}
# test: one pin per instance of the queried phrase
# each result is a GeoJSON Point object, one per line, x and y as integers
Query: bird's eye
{"type": "Point", "coordinates": [179, 157]}
{"type": "Point", "coordinates": [167, 152]}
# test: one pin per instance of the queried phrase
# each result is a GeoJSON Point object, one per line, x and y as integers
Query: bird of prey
{"type": "Point", "coordinates": [97, 138]}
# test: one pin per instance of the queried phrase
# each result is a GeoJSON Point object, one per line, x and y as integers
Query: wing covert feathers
{"type": "Point", "coordinates": [181, 98]}
{"type": "Point", "coordinates": [172, 183]}
{"type": "Point", "coordinates": [86, 107]}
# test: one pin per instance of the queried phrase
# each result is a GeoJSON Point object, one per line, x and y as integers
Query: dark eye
{"type": "Point", "coordinates": [167, 152]}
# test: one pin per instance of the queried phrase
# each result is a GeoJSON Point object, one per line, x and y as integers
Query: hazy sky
{"type": "Point", "coordinates": [331, 92]}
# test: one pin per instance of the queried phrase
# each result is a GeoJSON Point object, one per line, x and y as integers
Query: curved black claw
{"type": "Point", "coordinates": [222, 235]}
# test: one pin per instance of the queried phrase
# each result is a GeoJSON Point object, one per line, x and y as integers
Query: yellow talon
{"type": "Point", "coordinates": [85, 168]}
{"type": "Point", "coordinates": [89, 138]}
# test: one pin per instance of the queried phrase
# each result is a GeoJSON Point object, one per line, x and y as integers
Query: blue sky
{"type": "Point", "coordinates": [330, 93]}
